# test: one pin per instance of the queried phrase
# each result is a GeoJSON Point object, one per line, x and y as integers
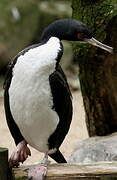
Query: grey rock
{"type": "Point", "coordinates": [95, 149]}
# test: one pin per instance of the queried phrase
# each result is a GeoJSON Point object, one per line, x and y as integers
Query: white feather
{"type": "Point", "coordinates": [30, 94]}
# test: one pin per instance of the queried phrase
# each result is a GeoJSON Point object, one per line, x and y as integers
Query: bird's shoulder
{"type": "Point", "coordinates": [12, 63]}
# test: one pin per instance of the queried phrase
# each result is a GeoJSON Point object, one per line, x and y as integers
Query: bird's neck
{"type": "Point", "coordinates": [53, 50]}
{"type": "Point", "coordinates": [48, 55]}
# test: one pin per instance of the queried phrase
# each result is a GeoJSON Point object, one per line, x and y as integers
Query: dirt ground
{"type": "Point", "coordinates": [76, 133]}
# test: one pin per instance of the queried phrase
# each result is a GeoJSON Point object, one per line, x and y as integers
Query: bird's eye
{"type": "Point", "coordinates": [80, 36]}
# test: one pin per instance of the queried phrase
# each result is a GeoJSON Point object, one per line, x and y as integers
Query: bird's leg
{"type": "Point", "coordinates": [20, 154]}
{"type": "Point", "coordinates": [45, 161]}
{"type": "Point", "coordinates": [39, 171]}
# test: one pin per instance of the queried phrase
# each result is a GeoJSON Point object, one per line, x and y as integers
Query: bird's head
{"type": "Point", "coordinates": [72, 30]}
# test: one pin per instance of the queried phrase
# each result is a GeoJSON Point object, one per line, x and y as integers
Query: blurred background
{"type": "Point", "coordinates": [21, 24]}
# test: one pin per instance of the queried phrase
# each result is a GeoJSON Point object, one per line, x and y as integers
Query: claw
{"type": "Point", "coordinates": [20, 154]}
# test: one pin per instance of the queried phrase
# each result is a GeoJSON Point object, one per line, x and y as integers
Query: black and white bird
{"type": "Point", "coordinates": [37, 98]}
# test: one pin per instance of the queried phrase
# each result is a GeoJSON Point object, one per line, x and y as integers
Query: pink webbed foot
{"type": "Point", "coordinates": [20, 154]}
{"type": "Point", "coordinates": [38, 172]}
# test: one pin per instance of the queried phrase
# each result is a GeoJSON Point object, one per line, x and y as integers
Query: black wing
{"type": "Point", "coordinates": [15, 132]}
{"type": "Point", "coordinates": [62, 105]}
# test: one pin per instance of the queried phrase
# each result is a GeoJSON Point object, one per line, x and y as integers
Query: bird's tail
{"type": "Point", "coordinates": [58, 157]}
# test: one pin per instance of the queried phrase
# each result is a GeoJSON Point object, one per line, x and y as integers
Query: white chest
{"type": "Point", "coordinates": [31, 99]}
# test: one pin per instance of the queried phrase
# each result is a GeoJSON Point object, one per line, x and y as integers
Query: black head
{"type": "Point", "coordinates": [72, 30]}
{"type": "Point", "coordinates": [67, 29]}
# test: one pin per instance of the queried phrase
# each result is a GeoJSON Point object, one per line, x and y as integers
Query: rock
{"type": "Point", "coordinates": [95, 149]}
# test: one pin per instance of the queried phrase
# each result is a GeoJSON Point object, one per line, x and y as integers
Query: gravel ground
{"type": "Point", "coordinates": [76, 133]}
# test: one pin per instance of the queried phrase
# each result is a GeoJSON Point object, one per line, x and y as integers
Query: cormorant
{"type": "Point", "coordinates": [37, 98]}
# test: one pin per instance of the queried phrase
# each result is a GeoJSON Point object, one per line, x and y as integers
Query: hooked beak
{"type": "Point", "coordinates": [95, 42]}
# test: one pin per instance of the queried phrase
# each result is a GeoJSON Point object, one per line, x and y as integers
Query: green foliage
{"type": "Point", "coordinates": [18, 32]}
{"type": "Point", "coordinates": [15, 33]}
{"type": "Point", "coordinates": [96, 15]}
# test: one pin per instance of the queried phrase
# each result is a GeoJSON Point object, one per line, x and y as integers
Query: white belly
{"type": "Point", "coordinates": [31, 110]}
{"type": "Point", "coordinates": [30, 94]}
